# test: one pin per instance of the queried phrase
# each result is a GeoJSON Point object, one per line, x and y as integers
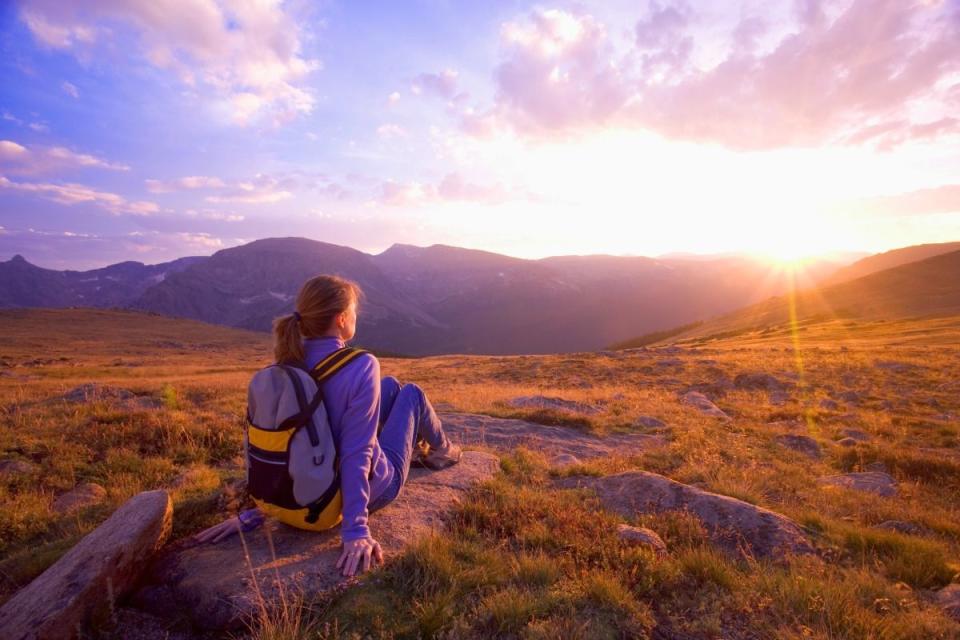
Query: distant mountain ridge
{"type": "Point", "coordinates": [423, 300]}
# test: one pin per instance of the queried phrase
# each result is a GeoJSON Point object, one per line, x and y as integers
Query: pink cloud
{"type": "Point", "coordinates": [452, 188]}
{"type": "Point", "coordinates": [443, 84]}
{"type": "Point", "coordinates": [72, 193]}
{"type": "Point", "coordinates": [942, 199]}
{"type": "Point", "coordinates": [17, 159]}
{"type": "Point", "coordinates": [867, 66]}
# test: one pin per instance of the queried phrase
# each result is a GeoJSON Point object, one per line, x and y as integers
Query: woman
{"type": "Point", "coordinates": [373, 468]}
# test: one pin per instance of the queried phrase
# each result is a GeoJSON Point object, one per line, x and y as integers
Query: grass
{"type": "Point", "coordinates": [521, 558]}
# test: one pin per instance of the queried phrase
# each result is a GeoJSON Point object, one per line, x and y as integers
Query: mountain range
{"type": "Point", "coordinates": [438, 299]}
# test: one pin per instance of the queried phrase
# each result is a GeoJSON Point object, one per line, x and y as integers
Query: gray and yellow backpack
{"type": "Point", "coordinates": [293, 470]}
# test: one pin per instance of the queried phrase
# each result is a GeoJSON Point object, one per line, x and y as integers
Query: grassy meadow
{"type": "Point", "coordinates": [522, 558]}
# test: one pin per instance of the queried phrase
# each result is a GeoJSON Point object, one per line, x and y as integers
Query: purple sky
{"type": "Point", "coordinates": [154, 129]}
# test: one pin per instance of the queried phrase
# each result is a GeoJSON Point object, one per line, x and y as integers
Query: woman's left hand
{"type": "Point", "coordinates": [359, 554]}
{"type": "Point", "coordinates": [218, 532]}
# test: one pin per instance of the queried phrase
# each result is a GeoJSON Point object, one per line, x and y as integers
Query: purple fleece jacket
{"type": "Point", "coordinates": [352, 399]}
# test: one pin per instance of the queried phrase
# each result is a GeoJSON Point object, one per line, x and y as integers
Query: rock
{"type": "Point", "coordinates": [876, 482]}
{"type": "Point", "coordinates": [558, 404]}
{"type": "Point", "coordinates": [565, 460]}
{"type": "Point", "coordinates": [642, 537]}
{"type": "Point", "coordinates": [734, 525]}
{"type": "Point", "coordinates": [83, 495]}
{"type": "Point", "coordinates": [95, 392]}
{"type": "Point", "coordinates": [669, 362]}
{"type": "Point", "coordinates": [908, 528]}
{"type": "Point", "coordinates": [829, 405]}
{"type": "Point", "coordinates": [896, 367]}
{"type": "Point", "coordinates": [16, 468]}
{"type": "Point", "coordinates": [804, 444]}
{"type": "Point", "coordinates": [507, 434]}
{"type": "Point", "coordinates": [649, 422]}
{"type": "Point", "coordinates": [213, 583]}
{"type": "Point", "coordinates": [847, 442]}
{"type": "Point", "coordinates": [714, 389]}
{"type": "Point", "coordinates": [856, 434]}
{"type": "Point", "coordinates": [104, 565]}
{"type": "Point", "coordinates": [778, 398]}
{"type": "Point", "coordinates": [703, 404]}
{"type": "Point", "coordinates": [949, 600]}
{"type": "Point", "coordinates": [850, 397]}
{"type": "Point", "coordinates": [754, 381]}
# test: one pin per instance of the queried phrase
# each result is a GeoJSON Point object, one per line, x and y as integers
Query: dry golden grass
{"type": "Point", "coordinates": [523, 559]}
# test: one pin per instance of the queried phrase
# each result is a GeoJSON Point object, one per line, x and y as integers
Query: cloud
{"type": "Point", "coordinates": [388, 131]}
{"type": "Point", "coordinates": [840, 72]}
{"type": "Point", "coordinates": [16, 159]}
{"type": "Point", "coordinates": [262, 189]}
{"type": "Point", "coordinates": [185, 183]}
{"type": "Point", "coordinates": [72, 193]}
{"type": "Point", "coordinates": [443, 84]}
{"type": "Point", "coordinates": [942, 199]}
{"type": "Point", "coordinates": [70, 89]}
{"type": "Point", "coordinates": [452, 188]}
{"type": "Point", "coordinates": [247, 55]}
{"type": "Point", "coordinates": [393, 98]}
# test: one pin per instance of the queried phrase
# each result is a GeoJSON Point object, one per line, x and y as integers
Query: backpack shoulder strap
{"type": "Point", "coordinates": [335, 362]}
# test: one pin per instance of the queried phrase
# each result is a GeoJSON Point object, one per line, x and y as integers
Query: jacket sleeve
{"type": "Point", "coordinates": [359, 432]}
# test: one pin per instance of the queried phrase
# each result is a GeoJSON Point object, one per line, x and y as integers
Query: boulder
{"type": "Point", "coordinates": [876, 482]}
{"type": "Point", "coordinates": [702, 404]}
{"type": "Point", "coordinates": [213, 583]}
{"type": "Point", "coordinates": [804, 444]}
{"type": "Point", "coordinates": [508, 434]}
{"type": "Point", "coordinates": [847, 442]}
{"type": "Point", "coordinates": [557, 404]}
{"type": "Point", "coordinates": [642, 537]}
{"type": "Point", "coordinates": [81, 496]}
{"type": "Point", "coordinates": [103, 566]}
{"type": "Point", "coordinates": [734, 525]}
{"type": "Point", "coordinates": [16, 468]}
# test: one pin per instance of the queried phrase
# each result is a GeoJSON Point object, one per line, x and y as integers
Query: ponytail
{"type": "Point", "coordinates": [287, 342]}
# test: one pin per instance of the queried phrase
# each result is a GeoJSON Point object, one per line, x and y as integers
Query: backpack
{"type": "Point", "coordinates": [293, 470]}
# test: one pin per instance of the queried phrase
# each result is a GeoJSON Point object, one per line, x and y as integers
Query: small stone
{"type": "Point", "coordinates": [565, 460]}
{"type": "Point", "coordinates": [559, 404]}
{"type": "Point", "coordinates": [83, 495]}
{"type": "Point", "coordinates": [642, 537]}
{"type": "Point", "coordinates": [909, 528]}
{"type": "Point", "coordinates": [649, 422]}
{"type": "Point", "coordinates": [779, 398]}
{"type": "Point", "coordinates": [876, 482]}
{"type": "Point", "coordinates": [763, 381]}
{"type": "Point", "coordinates": [804, 444]}
{"type": "Point", "coordinates": [949, 600]}
{"type": "Point", "coordinates": [856, 434]}
{"type": "Point", "coordinates": [850, 397]}
{"type": "Point", "coordinates": [829, 405]}
{"type": "Point", "coordinates": [16, 468]}
{"type": "Point", "coordinates": [703, 404]}
{"type": "Point", "coordinates": [847, 442]}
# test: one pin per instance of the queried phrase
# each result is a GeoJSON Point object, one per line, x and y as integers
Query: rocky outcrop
{"type": "Point", "coordinates": [555, 404]}
{"type": "Point", "coordinates": [507, 434]}
{"type": "Point", "coordinates": [214, 583]}
{"type": "Point", "coordinates": [103, 566]}
{"type": "Point", "coordinates": [732, 524]}
{"type": "Point", "coordinates": [949, 600]}
{"type": "Point", "coordinates": [804, 444]}
{"type": "Point", "coordinates": [876, 482]}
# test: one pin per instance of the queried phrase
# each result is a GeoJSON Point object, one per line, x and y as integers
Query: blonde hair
{"type": "Point", "coordinates": [320, 300]}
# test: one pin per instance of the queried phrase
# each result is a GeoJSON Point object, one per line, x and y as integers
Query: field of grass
{"type": "Point", "coordinates": [522, 558]}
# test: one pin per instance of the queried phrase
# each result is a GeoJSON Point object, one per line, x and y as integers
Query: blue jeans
{"type": "Point", "coordinates": [405, 417]}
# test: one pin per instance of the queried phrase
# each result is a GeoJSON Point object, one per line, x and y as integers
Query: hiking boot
{"type": "Point", "coordinates": [442, 457]}
{"type": "Point", "coordinates": [420, 451]}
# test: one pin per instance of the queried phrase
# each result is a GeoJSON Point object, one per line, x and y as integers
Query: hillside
{"type": "Point", "coordinates": [888, 260]}
{"type": "Point", "coordinates": [924, 288]}
{"type": "Point", "coordinates": [132, 402]}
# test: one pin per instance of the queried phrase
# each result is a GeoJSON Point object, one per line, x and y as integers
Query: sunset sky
{"type": "Point", "coordinates": [154, 129]}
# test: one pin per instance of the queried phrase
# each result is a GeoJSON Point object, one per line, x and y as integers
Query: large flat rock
{"type": "Point", "coordinates": [105, 564]}
{"type": "Point", "coordinates": [732, 524]}
{"type": "Point", "coordinates": [213, 585]}
{"type": "Point", "coordinates": [507, 434]}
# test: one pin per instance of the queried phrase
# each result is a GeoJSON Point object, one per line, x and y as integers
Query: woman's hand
{"type": "Point", "coordinates": [359, 554]}
{"type": "Point", "coordinates": [219, 532]}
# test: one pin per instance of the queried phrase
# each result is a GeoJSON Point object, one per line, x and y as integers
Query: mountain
{"type": "Point", "coordinates": [425, 300]}
{"type": "Point", "coordinates": [26, 285]}
{"type": "Point", "coordinates": [890, 259]}
{"type": "Point", "coordinates": [928, 287]}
